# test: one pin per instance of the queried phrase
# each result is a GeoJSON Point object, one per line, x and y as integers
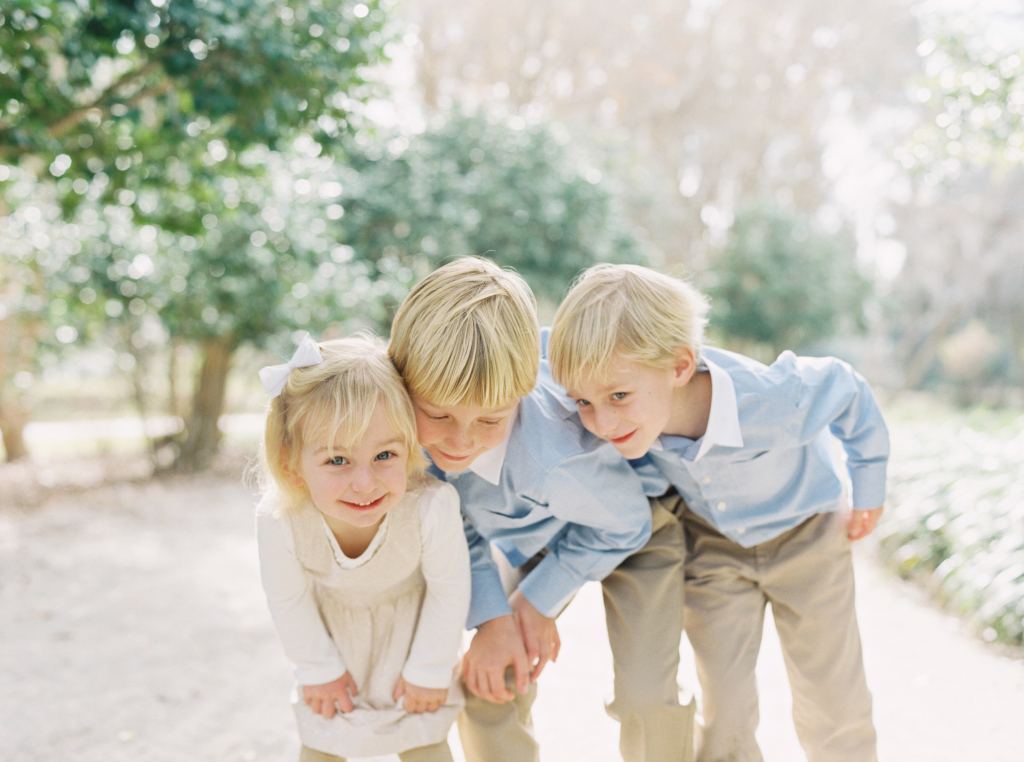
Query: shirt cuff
{"type": "Point", "coordinates": [319, 674]}
{"type": "Point", "coordinates": [868, 486]}
{"type": "Point", "coordinates": [488, 600]}
{"type": "Point", "coordinates": [427, 678]}
{"type": "Point", "coordinates": [549, 586]}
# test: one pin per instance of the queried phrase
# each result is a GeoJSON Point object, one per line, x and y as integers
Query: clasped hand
{"type": "Point", "coordinates": [525, 640]}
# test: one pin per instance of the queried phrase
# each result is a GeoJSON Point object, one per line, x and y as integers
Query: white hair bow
{"type": "Point", "coordinates": [274, 377]}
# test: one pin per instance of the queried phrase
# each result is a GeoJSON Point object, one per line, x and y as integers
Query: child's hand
{"type": "Point", "coordinates": [419, 700]}
{"type": "Point", "coordinates": [862, 523]}
{"type": "Point", "coordinates": [496, 646]}
{"type": "Point", "coordinates": [322, 699]}
{"type": "Point", "coordinates": [540, 635]}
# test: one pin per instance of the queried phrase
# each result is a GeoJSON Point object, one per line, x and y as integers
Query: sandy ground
{"type": "Point", "coordinates": [134, 628]}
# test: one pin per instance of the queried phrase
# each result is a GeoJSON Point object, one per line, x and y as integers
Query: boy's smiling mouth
{"type": "Point", "coordinates": [623, 439]}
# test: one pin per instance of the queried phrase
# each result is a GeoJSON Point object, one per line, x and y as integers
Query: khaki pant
{"type": "Point", "coordinates": [438, 752]}
{"type": "Point", "coordinates": [807, 576]}
{"type": "Point", "coordinates": [644, 611]}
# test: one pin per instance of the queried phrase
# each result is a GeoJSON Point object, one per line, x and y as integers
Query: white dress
{"type": "Point", "coordinates": [372, 613]}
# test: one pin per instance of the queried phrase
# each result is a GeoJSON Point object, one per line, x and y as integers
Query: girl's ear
{"type": "Point", "coordinates": [684, 366]}
{"type": "Point", "coordinates": [293, 477]}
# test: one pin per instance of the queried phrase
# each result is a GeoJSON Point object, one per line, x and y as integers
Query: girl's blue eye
{"type": "Point", "coordinates": [337, 460]}
{"type": "Point", "coordinates": [582, 403]}
{"type": "Point", "coordinates": [385, 456]}
{"type": "Point", "coordinates": [619, 395]}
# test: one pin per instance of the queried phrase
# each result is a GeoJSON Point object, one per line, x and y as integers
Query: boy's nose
{"type": "Point", "coordinates": [605, 421]}
{"type": "Point", "coordinates": [459, 440]}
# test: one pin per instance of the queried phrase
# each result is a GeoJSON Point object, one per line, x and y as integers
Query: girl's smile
{"type": "Point", "coordinates": [355, 485]}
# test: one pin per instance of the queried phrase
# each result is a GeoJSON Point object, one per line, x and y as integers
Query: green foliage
{"type": "Point", "coordinates": [477, 186]}
{"type": "Point", "coordinates": [781, 283]}
{"type": "Point", "coordinates": [974, 95]}
{"type": "Point", "coordinates": [73, 72]}
{"type": "Point", "coordinates": [956, 519]}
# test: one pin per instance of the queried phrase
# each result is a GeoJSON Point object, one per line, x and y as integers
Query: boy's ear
{"type": "Point", "coordinates": [684, 367]}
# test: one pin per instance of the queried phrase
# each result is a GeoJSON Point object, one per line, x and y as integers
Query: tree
{"type": "Point", "coordinates": [705, 107]}
{"type": "Point", "coordinates": [142, 108]}
{"type": "Point", "coordinates": [481, 185]}
{"type": "Point", "coordinates": [964, 222]}
{"type": "Point", "coordinates": [780, 284]}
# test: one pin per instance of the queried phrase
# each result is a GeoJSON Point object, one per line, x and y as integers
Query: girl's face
{"type": "Point", "coordinates": [357, 485]}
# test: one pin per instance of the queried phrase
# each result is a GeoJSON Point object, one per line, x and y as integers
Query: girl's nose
{"type": "Point", "coordinates": [363, 480]}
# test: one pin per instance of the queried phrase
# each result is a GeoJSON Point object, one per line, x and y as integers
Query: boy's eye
{"type": "Point", "coordinates": [619, 395]}
{"type": "Point", "coordinates": [490, 423]}
{"type": "Point", "coordinates": [337, 460]}
{"type": "Point", "coordinates": [582, 403]}
{"type": "Point", "coordinates": [386, 455]}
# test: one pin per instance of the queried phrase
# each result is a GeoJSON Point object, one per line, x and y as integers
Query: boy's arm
{"type": "Point", "coordinates": [307, 644]}
{"type": "Point", "coordinates": [608, 517]}
{"type": "Point", "coordinates": [835, 396]}
{"type": "Point", "coordinates": [445, 563]}
{"type": "Point", "coordinates": [497, 643]}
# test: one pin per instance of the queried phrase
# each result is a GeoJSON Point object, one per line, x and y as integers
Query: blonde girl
{"type": "Point", "coordinates": [363, 557]}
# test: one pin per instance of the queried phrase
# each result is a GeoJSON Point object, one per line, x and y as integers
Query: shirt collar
{"type": "Point", "coordinates": [723, 419]}
{"type": "Point", "coordinates": [488, 465]}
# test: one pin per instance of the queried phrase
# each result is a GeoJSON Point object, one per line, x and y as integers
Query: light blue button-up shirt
{"type": "Point", "coordinates": [766, 462]}
{"type": "Point", "coordinates": [549, 484]}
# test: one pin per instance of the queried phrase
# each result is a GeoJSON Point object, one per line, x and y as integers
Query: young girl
{"type": "Point", "coordinates": [363, 557]}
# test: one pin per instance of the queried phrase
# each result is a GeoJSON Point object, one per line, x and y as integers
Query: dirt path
{"type": "Point", "coordinates": [134, 628]}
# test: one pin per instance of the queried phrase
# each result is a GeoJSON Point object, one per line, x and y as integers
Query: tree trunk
{"type": "Point", "coordinates": [202, 435]}
{"type": "Point", "coordinates": [12, 431]}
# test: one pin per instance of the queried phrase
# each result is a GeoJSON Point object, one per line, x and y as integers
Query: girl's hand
{"type": "Point", "coordinates": [540, 635]}
{"type": "Point", "coordinates": [419, 700]}
{"type": "Point", "coordinates": [330, 697]}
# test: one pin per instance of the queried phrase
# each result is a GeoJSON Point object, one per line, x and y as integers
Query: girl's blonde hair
{"type": "Point", "coordinates": [641, 314]}
{"type": "Point", "coordinates": [335, 399]}
{"type": "Point", "coordinates": [467, 334]}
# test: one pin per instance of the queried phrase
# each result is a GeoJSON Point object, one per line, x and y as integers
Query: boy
{"type": "Point", "coordinates": [747, 447]}
{"type": "Point", "coordinates": [560, 505]}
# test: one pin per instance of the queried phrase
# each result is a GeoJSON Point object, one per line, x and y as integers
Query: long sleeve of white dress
{"type": "Point", "coordinates": [445, 564]}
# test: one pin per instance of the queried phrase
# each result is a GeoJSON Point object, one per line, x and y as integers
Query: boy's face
{"type": "Point", "coordinates": [633, 407]}
{"type": "Point", "coordinates": [456, 435]}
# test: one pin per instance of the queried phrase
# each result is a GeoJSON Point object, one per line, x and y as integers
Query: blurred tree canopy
{"type": "Point", "coordinates": [144, 111]}
{"type": "Point", "coordinates": [159, 227]}
{"type": "Point", "coordinates": [781, 284]}
{"type": "Point", "coordinates": [474, 184]}
{"type": "Point", "coordinates": [965, 219]}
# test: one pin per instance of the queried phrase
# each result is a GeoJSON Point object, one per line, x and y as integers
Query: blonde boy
{"type": "Point", "coordinates": [746, 447]}
{"type": "Point", "coordinates": [550, 500]}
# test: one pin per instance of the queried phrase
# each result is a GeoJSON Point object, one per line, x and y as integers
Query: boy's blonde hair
{"type": "Point", "coordinates": [335, 399]}
{"type": "Point", "coordinates": [467, 334]}
{"type": "Point", "coordinates": [642, 314]}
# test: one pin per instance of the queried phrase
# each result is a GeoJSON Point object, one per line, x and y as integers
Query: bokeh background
{"type": "Point", "coordinates": [186, 185]}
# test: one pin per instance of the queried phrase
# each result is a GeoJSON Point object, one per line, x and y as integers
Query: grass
{"type": "Point", "coordinates": [956, 510]}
